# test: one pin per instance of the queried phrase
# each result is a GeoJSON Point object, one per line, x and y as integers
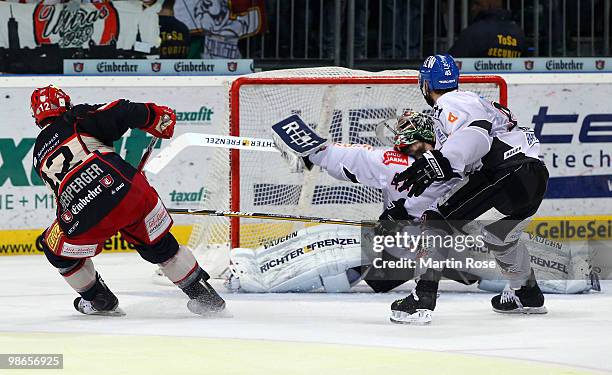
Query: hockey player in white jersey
{"type": "Point", "coordinates": [334, 266]}
{"type": "Point", "coordinates": [484, 167]}
{"type": "Point", "coordinates": [330, 257]}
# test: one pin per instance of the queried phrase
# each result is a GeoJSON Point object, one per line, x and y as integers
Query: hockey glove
{"type": "Point", "coordinates": [389, 222]}
{"type": "Point", "coordinates": [432, 167]}
{"type": "Point", "coordinates": [163, 123]}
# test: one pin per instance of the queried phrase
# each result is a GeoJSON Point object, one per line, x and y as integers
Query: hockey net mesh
{"type": "Point", "coordinates": [342, 104]}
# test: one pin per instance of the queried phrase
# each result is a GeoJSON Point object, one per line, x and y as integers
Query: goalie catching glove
{"type": "Point", "coordinates": [164, 119]}
{"type": "Point", "coordinates": [432, 167]}
{"type": "Point", "coordinates": [296, 140]}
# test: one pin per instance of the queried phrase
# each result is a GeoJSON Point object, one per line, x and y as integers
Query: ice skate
{"type": "Point", "coordinates": [527, 300]}
{"type": "Point", "coordinates": [417, 308]}
{"type": "Point", "coordinates": [104, 303]}
{"type": "Point", "coordinates": [204, 300]}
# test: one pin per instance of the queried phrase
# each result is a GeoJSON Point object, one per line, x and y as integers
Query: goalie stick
{"type": "Point", "coordinates": [271, 216]}
{"type": "Point", "coordinates": [252, 215]}
{"type": "Point", "coordinates": [178, 144]}
{"type": "Point", "coordinates": [206, 140]}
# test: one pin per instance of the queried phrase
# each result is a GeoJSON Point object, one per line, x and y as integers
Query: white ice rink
{"type": "Point", "coordinates": [290, 333]}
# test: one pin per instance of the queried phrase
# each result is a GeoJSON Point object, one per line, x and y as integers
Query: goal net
{"type": "Point", "coordinates": [341, 104]}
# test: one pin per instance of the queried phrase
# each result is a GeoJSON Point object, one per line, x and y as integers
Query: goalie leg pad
{"type": "Point", "coordinates": [336, 283]}
{"type": "Point", "coordinates": [559, 267]}
{"type": "Point", "coordinates": [313, 258]}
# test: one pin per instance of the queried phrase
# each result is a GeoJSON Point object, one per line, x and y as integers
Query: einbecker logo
{"type": "Point", "coordinates": [156, 67]}
{"type": "Point", "coordinates": [107, 181]}
{"type": "Point", "coordinates": [67, 217]}
{"type": "Point", "coordinates": [232, 66]}
{"type": "Point", "coordinates": [529, 64]}
{"type": "Point", "coordinates": [600, 64]}
{"type": "Point", "coordinates": [78, 67]}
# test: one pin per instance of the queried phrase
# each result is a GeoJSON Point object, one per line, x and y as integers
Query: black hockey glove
{"type": "Point", "coordinates": [433, 166]}
{"type": "Point", "coordinates": [389, 222]}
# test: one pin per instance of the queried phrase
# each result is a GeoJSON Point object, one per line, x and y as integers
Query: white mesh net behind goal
{"type": "Point", "coordinates": [341, 104]}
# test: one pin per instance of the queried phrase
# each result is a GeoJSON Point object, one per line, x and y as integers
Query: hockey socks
{"type": "Point", "coordinates": [81, 276]}
{"type": "Point", "coordinates": [96, 298]}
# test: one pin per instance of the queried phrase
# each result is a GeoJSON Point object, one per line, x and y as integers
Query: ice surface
{"type": "Point", "coordinates": [577, 331]}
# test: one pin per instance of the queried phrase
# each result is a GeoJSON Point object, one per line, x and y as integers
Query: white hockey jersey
{"type": "Point", "coordinates": [473, 133]}
{"type": "Point", "coordinates": [369, 166]}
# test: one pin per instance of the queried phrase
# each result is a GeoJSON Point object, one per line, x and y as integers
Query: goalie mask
{"type": "Point", "coordinates": [47, 103]}
{"type": "Point", "coordinates": [412, 127]}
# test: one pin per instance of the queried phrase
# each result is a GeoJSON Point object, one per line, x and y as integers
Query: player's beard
{"type": "Point", "coordinates": [429, 99]}
{"type": "Point", "coordinates": [426, 93]}
{"type": "Point", "coordinates": [416, 150]}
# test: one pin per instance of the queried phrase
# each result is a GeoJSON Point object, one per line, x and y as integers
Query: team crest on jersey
{"type": "Point", "coordinates": [395, 157]}
{"type": "Point", "coordinates": [67, 217]}
{"type": "Point", "coordinates": [107, 181]}
{"type": "Point", "coordinates": [451, 117]}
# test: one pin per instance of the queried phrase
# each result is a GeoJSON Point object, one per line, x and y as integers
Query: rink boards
{"type": "Point", "coordinates": [566, 111]}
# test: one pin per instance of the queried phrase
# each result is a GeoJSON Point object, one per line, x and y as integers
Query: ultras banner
{"type": "Point", "coordinates": [70, 26]}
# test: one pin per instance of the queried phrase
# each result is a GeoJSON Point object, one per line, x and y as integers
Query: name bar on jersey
{"type": "Point", "coordinates": [535, 65]}
{"type": "Point", "coordinates": [159, 67]}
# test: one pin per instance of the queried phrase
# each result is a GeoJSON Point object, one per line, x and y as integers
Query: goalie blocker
{"type": "Point", "coordinates": [296, 140]}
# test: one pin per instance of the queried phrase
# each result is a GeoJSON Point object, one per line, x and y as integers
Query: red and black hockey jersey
{"type": "Point", "coordinates": [75, 158]}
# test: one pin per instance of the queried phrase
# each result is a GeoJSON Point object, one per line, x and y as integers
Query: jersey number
{"type": "Point", "coordinates": [57, 167]}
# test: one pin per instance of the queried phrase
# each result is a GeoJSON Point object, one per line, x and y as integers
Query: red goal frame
{"type": "Point", "coordinates": [234, 99]}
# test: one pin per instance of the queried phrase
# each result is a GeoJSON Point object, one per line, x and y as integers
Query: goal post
{"type": "Point", "coordinates": [341, 104]}
{"type": "Point", "coordinates": [314, 77]}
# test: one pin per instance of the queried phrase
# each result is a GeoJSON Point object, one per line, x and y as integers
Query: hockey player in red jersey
{"type": "Point", "coordinates": [99, 194]}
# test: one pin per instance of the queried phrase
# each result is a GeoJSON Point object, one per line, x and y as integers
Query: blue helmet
{"type": "Point", "coordinates": [440, 71]}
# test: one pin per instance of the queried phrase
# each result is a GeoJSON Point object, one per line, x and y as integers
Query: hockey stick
{"type": "Point", "coordinates": [147, 154]}
{"type": "Point", "coordinates": [269, 216]}
{"type": "Point", "coordinates": [206, 140]}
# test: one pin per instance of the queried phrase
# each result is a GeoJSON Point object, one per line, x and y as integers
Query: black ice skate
{"type": "Point", "coordinates": [418, 306]}
{"type": "Point", "coordinates": [104, 302]}
{"type": "Point", "coordinates": [203, 299]}
{"type": "Point", "coordinates": [527, 300]}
